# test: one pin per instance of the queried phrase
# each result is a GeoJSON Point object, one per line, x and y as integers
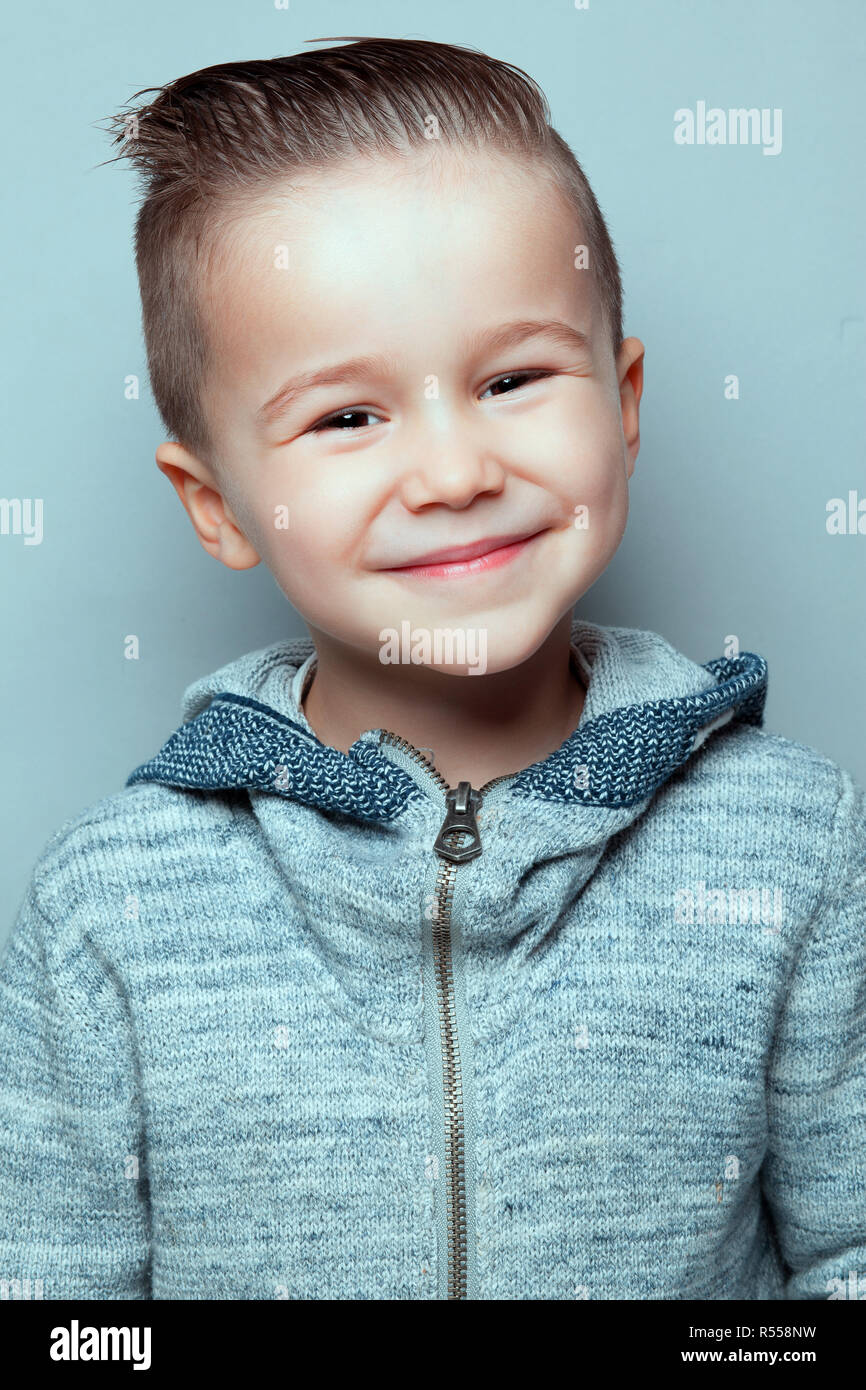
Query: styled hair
{"type": "Point", "coordinates": [221, 135]}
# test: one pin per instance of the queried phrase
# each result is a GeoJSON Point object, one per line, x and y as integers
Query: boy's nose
{"type": "Point", "coordinates": [454, 477]}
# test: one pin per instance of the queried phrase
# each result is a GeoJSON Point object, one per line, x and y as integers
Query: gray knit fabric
{"type": "Point", "coordinates": [221, 1061]}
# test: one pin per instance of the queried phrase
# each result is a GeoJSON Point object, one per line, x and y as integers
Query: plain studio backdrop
{"type": "Point", "coordinates": [734, 263]}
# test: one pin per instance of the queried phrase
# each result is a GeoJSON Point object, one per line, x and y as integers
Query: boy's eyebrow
{"type": "Point", "coordinates": [498, 339]}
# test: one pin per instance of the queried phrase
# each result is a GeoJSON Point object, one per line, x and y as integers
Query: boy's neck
{"type": "Point", "coordinates": [479, 727]}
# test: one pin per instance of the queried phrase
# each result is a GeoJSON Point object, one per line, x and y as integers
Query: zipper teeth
{"type": "Point", "coordinates": [456, 1221]}
{"type": "Point", "coordinates": [492, 783]}
{"type": "Point", "coordinates": [452, 1082]}
{"type": "Point", "coordinates": [412, 751]}
{"type": "Point", "coordinates": [388, 737]}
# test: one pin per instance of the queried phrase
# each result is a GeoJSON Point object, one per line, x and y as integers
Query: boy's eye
{"type": "Point", "coordinates": [519, 377]}
{"type": "Point", "coordinates": [341, 421]}
{"type": "Point", "coordinates": [338, 421]}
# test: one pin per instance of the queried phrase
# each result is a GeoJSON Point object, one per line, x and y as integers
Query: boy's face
{"type": "Point", "coordinates": [416, 266]}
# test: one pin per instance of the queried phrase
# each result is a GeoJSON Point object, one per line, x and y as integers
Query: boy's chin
{"type": "Point", "coordinates": [479, 646]}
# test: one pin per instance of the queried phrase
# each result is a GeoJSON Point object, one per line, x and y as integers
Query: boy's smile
{"type": "Point", "coordinates": [407, 364]}
{"type": "Point", "coordinates": [456, 560]}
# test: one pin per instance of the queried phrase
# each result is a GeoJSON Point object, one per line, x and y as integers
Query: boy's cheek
{"type": "Point", "coordinates": [290, 521]}
{"type": "Point", "coordinates": [592, 479]}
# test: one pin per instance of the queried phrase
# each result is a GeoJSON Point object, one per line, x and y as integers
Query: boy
{"type": "Point", "coordinates": [466, 950]}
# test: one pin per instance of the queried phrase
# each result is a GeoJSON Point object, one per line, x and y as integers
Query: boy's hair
{"type": "Point", "coordinates": [214, 139]}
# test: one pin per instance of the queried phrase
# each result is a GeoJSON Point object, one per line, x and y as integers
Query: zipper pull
{"type": "Point", "coordinates": [463, 802]}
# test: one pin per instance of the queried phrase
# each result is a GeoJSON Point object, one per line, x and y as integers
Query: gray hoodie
{"type": "Point", "coordinates": [594, 1030]}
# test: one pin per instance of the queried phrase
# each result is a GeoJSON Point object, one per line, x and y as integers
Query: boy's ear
{"type": "Point", "coordinates": [211, 516]}
{"type": "Point", "coordinates": [629, 370]}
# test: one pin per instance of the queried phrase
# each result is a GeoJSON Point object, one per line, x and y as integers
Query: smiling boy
{"type": "Point", "coordinates": [490, 412]}
{"type": "Point", "coordinates": [383, 978]}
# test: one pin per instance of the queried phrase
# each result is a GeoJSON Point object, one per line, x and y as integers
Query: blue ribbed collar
{"type": "Point", "coordinates": [647, 709]}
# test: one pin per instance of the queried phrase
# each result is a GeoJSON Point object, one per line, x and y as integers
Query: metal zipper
{"type": "Point", "coordinates": [462, 803]}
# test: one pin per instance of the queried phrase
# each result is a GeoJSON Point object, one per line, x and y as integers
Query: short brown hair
{"type": "Point", "coordinates": [213, 136]}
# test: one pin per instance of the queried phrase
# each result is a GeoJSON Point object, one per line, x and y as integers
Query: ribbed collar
{"type": "Point", "coordinates": [648, 707]}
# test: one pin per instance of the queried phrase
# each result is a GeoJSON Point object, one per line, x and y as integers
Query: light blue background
{"type": "Point", "coordinates": [732, 261]}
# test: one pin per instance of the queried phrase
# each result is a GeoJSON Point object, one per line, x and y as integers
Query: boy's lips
{"type": "Point", "coordinates": [455, 561]}
{"type": "Point", "coordinates": [458, 553]}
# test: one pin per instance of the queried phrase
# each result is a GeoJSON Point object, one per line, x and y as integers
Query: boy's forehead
{"type": "Point", "coordinates": [316, 257]}
{"type": "Point", "coordinates": [418, 206]}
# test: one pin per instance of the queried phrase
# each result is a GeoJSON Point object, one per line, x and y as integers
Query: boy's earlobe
{"type": "Point", "coordinates": [212, 519]}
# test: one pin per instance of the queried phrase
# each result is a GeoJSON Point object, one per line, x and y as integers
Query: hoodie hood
{"type": "Point", "coordinates": [647, 709]}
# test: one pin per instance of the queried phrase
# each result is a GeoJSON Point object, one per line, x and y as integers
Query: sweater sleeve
{"type": "Point", "coordinates": [74, 1200]}
{"type": "Point", "coordinates": [814, 1171]}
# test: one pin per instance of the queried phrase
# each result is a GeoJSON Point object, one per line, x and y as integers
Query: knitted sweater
{"type": "Point", "coordinates": [282, 1022]}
